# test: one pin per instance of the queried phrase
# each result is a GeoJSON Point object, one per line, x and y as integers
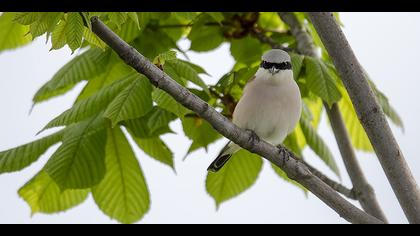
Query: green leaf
{"type": "Point", "coordinates": [46, 22]}
{"type": "Point", "coordinates": [185, 71]}
{"type": "Point", "coordinates": [93, 40]}
{"type": "Point", "coordinates": [133, 16]}
{"type": "Point", "coordinates": [122, 194]}
{"type": "Point", "coordinates": [43, 195]}
{"type": "Point", "coordinates": [217, 16]}
{"type": "Point", "coordinates": [86, 66]}
{"type": "Point", "coordinates": [79, 162]}
{"type": "Point", "coordinates": [238, 174]}
{"type": "Point", "coordinates": [188, 16]}
{"type": "Point", "coordinates": [20, 157]}
{"type": "Point", "coordinates": [58, 36]}
{"type": "Point", "coordinates": [292, 143]}
{"type": "Point", "coordinates": [200, 132]}
{"type": "Point", "coordinates": [197, 68]}
{"type": "Point", "coordinates": [12, 34]}
{"type": "Point", "coordinates": [147, 44]}
{"type": "Point", "coordinates": [152, 125]}
{"type": "Point", "coordinates": [26, 18]}
{"type": "Point", "coordinates": [118, 18]}
{"type": "Point", "coordinates": [168, 103]}
{"type": "Point", "coordinates": [270, 21]}
{"type": "Point", "coordinates": [92, 105]}
{"type": "Point", "coordinates": [320, 80]}
{"type": "Point", "coordinates": [317, 144]}
{"type": "Point", "coordinates": [389, 111]}
{"type": "Point", "coordinates": [129, 31]}
{"type": "Point", "coordinates": [163, 57]}
{"type": "Point", "coordinates": [157, 149]}
{"type": "Point", "coordinates": [358, 136]}
{"type": "Point", "coordinates": [297, 63]}
{"type": "Point", "coordinates": [203, 37]}
{"type": "Point", "coordinates": [133, 102]}
{"type": "Point", "coordinates": [74, 30]}
{"type": "Point", "coordinates": [246, 50]}
{"type": "Point", "coordinates": [284, 176]}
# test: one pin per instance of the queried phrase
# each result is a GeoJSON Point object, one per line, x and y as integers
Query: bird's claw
{"type": "Point", "coordinates": [253, 137]}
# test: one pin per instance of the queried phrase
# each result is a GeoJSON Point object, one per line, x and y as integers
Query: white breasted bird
{"type": "Point", "coordinates": [270, 104]}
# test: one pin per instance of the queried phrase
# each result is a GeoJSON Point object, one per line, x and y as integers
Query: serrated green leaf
{"type": "Point", "coordinates": [129, 31]}
{"type": "Point", "coordinates": [114, 70]}
{"type": "Point", "coordinates": [58, 36]}
{"type": "Point", "coordinates": [147, 44]}
{"type": "Point", "coordinates": [43, 195]}
{"type": "Point", "coordinates": [284, 176]}
{"type": "Point", "coordinates": [20, 157]}
{"type": "Point", "coordinates": [93, 40]}
{"type": "Point", "coordinates": [118, 18]}
{"type": "Point", "coordinates": [168, 103]}
{"type": "Point", "coordinates": [86, 66]}
{"type": "Point", "coordinates": [217, 16]}
{"type": "Point", "coordinates": [297, 63]}
{"type": "Point", "coordinates": [74, 30]}
{"type": "Point", "coordinates": [152, 125]}
{"type": "Point", "coordinates": [317, 144]}
{"type": "Point", "coordinates": [157, 149]}
{"type": "Point", "coordinates": [12, 34]}
{"type": "Point", "coordinates": [133, 16]}
{"type": "Point", "coordinates": [133, 102]}
{"type": "Point", "coordinates": [80, 161]}
{"type": "Point", "coordinates": [46, 22]}
{"type": "Point", "coordinates": [238, 175]}
{"type": "Point", "coordinates": [197, 68]}
{"type": "Point", "coordinates": [320, 81]}
{"type": "Point", "coordinates": [389, 111]}
{"type": "Point", "coordinates": [185, 71]}
{"type": "Point", "coordinates": [92, 105]}
{"type": "Point", "coordinates": [122, 194]}
{"type": "Point", "coordinates": [200, 132]}
{"type": "Point", "coordinates": [358, 136]}
{"type": "Point", "coordinates": [246, 50]}
{"type": "Point", "coordinates": [26, 18]}
{"type": "Point", "coordinates": [204, 37]}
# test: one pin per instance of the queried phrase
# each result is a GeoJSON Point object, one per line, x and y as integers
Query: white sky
{"type": "Point", "coordinates": [383, 42]}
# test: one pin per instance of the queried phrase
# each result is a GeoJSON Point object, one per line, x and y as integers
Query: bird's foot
{"type": "Point", "coordinates": [284, 152]}
{"type": "Point", "coordinates": [253, 137]}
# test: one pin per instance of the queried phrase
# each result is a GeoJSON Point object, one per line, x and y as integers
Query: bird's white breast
{"type": "Point", "coordinates": [270, 105]}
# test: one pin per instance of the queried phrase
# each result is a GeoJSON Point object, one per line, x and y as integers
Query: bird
{"type": "Point", "coordinates": [270, 105]}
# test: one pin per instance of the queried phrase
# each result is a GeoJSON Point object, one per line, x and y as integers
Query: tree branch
{"type": "Point", "coordinates": [370, 114]}
{"type": "Point", "coordinates": [267, 40]}
{"type": "Point", "coordinates": [295, 169]}
{"type": "Point", "coordinates": [366, 195]}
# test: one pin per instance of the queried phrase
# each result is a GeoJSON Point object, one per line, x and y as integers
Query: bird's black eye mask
{"type": "Point", "coordinates": [281, 66]}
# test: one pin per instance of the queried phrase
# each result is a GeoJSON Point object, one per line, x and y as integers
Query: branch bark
{"type": "Point", "coordinates": [365, 192]}
{"type": "Point", "coordinates": [294, 168]}
{"type": "Point", "coordinates": [370, 114]}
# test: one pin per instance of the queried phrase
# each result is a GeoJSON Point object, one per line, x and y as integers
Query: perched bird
{"type": "Point", "coordinates": [270, 104]}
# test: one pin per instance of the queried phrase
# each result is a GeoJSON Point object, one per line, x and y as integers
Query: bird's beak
{"type": "Point", "coordinates": [273, 70]}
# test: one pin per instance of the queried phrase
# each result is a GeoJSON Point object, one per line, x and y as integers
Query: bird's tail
{"type": "Point", "coordinates": [223, 157]}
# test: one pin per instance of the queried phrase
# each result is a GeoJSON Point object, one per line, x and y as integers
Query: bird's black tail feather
{"type": "Point", "coordinates": [219, 162]}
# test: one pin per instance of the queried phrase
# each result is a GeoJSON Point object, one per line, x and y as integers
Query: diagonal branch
{"type": "Point", "coordinates": [295, 169]}
{"type": "Point", "coordinates": [366, 194]}
{"type": "Point", "coordinates": [370, 113]}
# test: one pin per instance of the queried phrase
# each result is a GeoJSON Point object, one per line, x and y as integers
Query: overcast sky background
{"type": "Point", "coordinates": [386, 44]}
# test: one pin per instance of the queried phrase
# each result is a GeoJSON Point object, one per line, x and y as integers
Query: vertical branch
{"type": "Point", "coordinates": [365, 192]}
{"type": "Point", "coordinates": [370, 114]}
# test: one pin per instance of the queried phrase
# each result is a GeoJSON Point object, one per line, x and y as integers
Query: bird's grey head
{"type": "Point", "coordinates": [275, 61]}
